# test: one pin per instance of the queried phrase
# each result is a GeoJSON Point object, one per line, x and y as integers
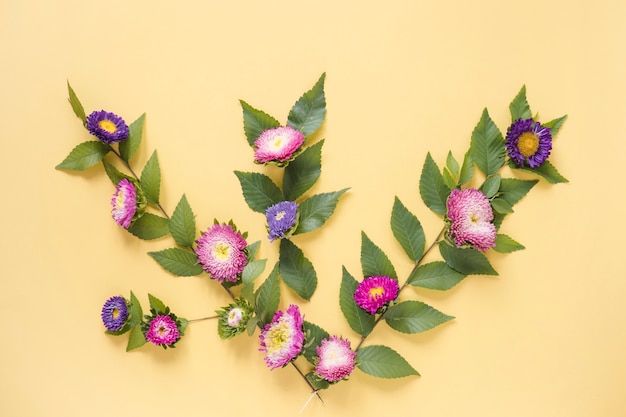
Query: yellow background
{"type": "Point", "coordinates": [545, 338]}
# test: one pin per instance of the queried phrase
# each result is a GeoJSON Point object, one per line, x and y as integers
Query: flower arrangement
{"type": "Point", "coordinates": [471, 198]}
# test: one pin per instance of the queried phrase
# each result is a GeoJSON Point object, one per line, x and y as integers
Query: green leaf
{"type": "Point", "coordinates": [500, 205]}
{"type": "Point", "coordinates": [313, 338]}
{"type": "Point", "coordinates": [156, 304]}
{"type": "Point", "coordinates": [150, 226]}
{"type": "Point", "coordinates": [555, 125]}
{"type": "Point", "coordinates": [303, 172]}
{"type": "Point", "coordinates": [467, 170]}
{"type": "Point", "coordinates": [252, 249]}
{"type": "Point", "coordinates": [308, 113]}
{"type": "Point", "coordinates": [505, 244]}
{"type": "Point", "coordinates": [135, 134]}
{"type": "Point", "coordinates": [448, 179]}
{"type": "Point", "coordinates": [414, 317]}
{"type": "Point", "coordinates": [383, 362]}
{"type": "Point", "coordinates": [317, 382]}
{"type": "Point", "coordinates": [435, 276]}
{"type": "Point", "coordinates": [252, 325]}
{"type": "Point", "coordinates": [433, 190]}
{"type": "Point", "coordinates": [374, 261]}
{"type": "Point", "coordinates": [467, 261]}
{"type": "Point", "coordinates": [513, 190]}
{"type": "Point", "coordinates": [177, 261]}
{"type": "Point", "coordinates": [136, 314]}
{"type": "Point", "coordinates": [296, 270]}
{"type": "Point", "coordinates": [113, 173]}
{"type": "Point", "coordinates": [84, 155]}
{"type": "Point", "coordinates": [255, 122]}
{"type": "Point", "coordinates": [487, 145]}
{"type": "Point", "coordinates": [315, 210]}
{"type": "Point", "coordinates": [359, 320]}
{"type": "Point", "coordinates": [259, 190]}
{"type": "Point", "coordinates": [183, 224]}
{"type": "Point", "coordinates": [136, 339]}
{"type": "Point", "coordinates": [79, 111]}
{"type": "Point", "coordinates": [519, 106]}
{"type": "Point", "coordinates": [546, 170]}
{"type": "Point", "coordinates": [253, 270]}
{"type": "Point", "coordinates": [491, 185]}
{"type": "Point", "coordinates": [268, 297]}
{"type": "Point", "coordinates": [407, 230]}
{"type": "Point", "coordinates": [151, 179]}
{"type": "Point", "coordinates": [452, 164]}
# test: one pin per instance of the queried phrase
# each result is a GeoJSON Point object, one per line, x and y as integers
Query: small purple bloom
{"type": "Point", "coordinates": [282, 339]}
{"type": "Point", "coordinates": [277, 145]}
{"type": "Point", "coordinates": [335, 359]}
{"type": "Point", "coordinates": [162, 331]}
{"type": "Point", "coordinates": [107, 127]}
{"type": "Point", "coordinates": [470, 216]}
{"type": "Point", "coordinates": [528, 142]}
{"type": "Point", "coordinates": [124, 203]}
{"type": "Point", "coordinates": [376, 292]}
{"type": "Point", "coordinates": [281, 219]}
{"type": "Point", "coordinates": [115, 313]}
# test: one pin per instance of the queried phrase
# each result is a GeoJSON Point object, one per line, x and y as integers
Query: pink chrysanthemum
{"type": "Point", "coordinates": [221, 253]}
{"type": "Point", "coordinates": [470, 215]}
{"type": "Point", "coordinates": [277, 144]}
{"type": "Point", "coordinates": [375, 292]}
{"type": "Point", "coordinates": [162, 331]}
{"type": "Point", "coordinates": [335, 359]}
{"type": "Point", "coordinates": [283, 338]}
{"type": "Point", "coordinates": [124, 203]}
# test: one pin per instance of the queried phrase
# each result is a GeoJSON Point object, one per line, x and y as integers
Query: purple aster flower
{"type": "Point", "coordinates": [124, 203]}
{"type": "Point", "coordinates": [376, 292]}
{"type": "Point", "coordinates": [115, 313]}
{"type": "Point", "coordinates": [107, 127]}
{"type": "Point", "coordinates": [162, 330]}
{"type": "Point", "coordinates": [335, 359]}
{"type": "Point", "coordinates": [282, 339]}
{"type": "Point", "coordinates": [281, 219]}
{"type": "Point", "coordinates": [277, 145]}
{"type": "Point", "coordinates": [470, 216]}
{"type": "Point", "coordinates": [221, 253]}
{"type": "Point", "coordinates": [528, 142]}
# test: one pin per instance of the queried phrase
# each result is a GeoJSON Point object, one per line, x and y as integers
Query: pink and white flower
{"type": "Point", "coordinates": [335, 359]}
{"type": "Point", "coordinates": [470, 216]}
{"type": "Point", "coordinates": [277, 145]}
{"type": "Point", "coordinates": [221, 253]}
{"type": "Point", "coordinates": [124, 203]}
{"type": "Point", "coordinates": [282, 339]}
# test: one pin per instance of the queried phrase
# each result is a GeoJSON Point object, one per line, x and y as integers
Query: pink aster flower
{"type": "Point", "coordinates": [124, 203]}
{"type": "Point", "coordinates": [162, 331]}
{"type": "Point", "coordinates": [335, 359]}
{"type": "Point", "coordinates": [277, 144]}
{"type": "Point", "coordinates": [221, 253]}
{"type": "Point", "coordinates": [283, 338]}
{"type": "Point", "coordinates": [470, 215]}
{"type": "Point", "coordinates": [376, 292]}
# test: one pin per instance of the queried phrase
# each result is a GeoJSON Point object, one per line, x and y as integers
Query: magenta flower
{"type": "Point", "coordinates": [162, 330]}
{"type": "Point", "coordinates": [528, 142]}
{"type": "Point", "coordinates": [277, 145]}
{"type": "Point", "coordinates": [470, 216]}
{"type": "Point", "coordinates": [335, 359]}
{"type": "Point", "coordinates": [221, 253]}
{"type": "Point", "coordinates": [283, 338]}
{"type": "Point", "coordinates": [376, 292]}
{"type": "Point", "coordinates": [124, 203]}
{"type": "Point", "coordinates": [107, 127]}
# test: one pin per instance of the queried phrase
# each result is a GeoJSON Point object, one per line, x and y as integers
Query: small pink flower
{"type": "Point", "coordinates": [282, 339]}
{"type": "Point", "coordinates": [221, 253]}
{"type": "Point", "coordinates": [375, 292]}
{"type": "Point", "coordinates": [124, 203]}
{"type": "Point", "coordinates": [335, 359]}
{"type": "Point", "coordinates": [162, 331]}
{"type": "Point", "coordinates": [470, 215]}
{"type": "Point", "coordinates": [277, 144]}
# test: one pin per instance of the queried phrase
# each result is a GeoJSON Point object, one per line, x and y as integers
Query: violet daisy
{"type": "Point", "coordinates": [470, 216]}
{"type": "Point", "coordinates": [376, 292]}
{"type": "Point", "coordinates": [282, 218]}
{"type": "Point", "coordinates": [124, 203]}
{"type": "Point", "coordinates": [107, 127]}
{"type": "Point", "coordinates": [115, 313]}
{"type": "Point", "coordinates": [335, 359]}
{"type": "Point", "coordinates": [528, 142]}
{"type": "Point", "coordinates": [162, 330]}
{"type": "Point", "coordinates": [282, 339]}
{"type": "Point", "coordinates": [221, 252]}
{"type": "Point", "coordinates": [277, 145]}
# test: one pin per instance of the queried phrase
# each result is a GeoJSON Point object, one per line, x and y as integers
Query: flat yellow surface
{"type": "Point", "coordinates": [545, 338]}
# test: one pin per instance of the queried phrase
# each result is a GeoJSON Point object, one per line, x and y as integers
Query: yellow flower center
{"type": "Point", "coordinates": [280, 215]}
{"type": "Point", "coordinates": [116, 313]}
{"type": "Point", "coordinates": [161, 330]}
{"type": "Point", "coordinates": [107, 125]}
{"type": "Point", "coordinates": [277, 336]}
{"type": "Point", "coordinates": [376, 291]}
{"type": "Point", "coordinates": [121, 196]}
{"type": "Point", "coordinates": [528, 143]}
{"type": "Point", "coordinates": [221, 251]}
{"type": "Point", "coordinates": [278, 141]}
